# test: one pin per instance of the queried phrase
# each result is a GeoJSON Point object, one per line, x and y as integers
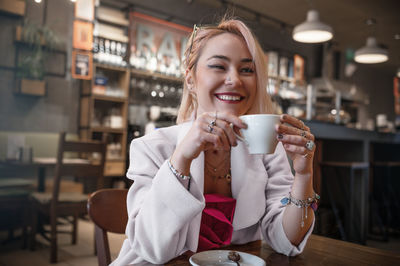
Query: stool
{"type": "Point", "coordinates": [384, 198]}
{"type": "Point", "coordinates": [350, 233]}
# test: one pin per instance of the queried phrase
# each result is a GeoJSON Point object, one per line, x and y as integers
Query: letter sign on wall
{"type": "Point", "coordinates": [157, 45]}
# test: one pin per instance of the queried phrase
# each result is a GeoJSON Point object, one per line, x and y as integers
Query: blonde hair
{"type": "Point", "coordinates": [194, 46]}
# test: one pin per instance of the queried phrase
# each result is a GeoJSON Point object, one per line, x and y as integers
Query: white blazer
{"type": "Point", "coordinates": [164, 217]}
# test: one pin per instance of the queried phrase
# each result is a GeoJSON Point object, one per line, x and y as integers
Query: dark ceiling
{"type": "Point", "coordinates": [346, 17]}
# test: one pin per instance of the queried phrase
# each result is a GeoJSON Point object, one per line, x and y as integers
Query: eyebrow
{"type": "Point", "coordinates": [244, 60]}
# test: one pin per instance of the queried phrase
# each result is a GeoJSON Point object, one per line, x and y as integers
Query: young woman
{"type": "Point", "coordinates": [196, 186]}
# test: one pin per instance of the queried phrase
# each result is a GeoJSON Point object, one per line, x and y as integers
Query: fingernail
{"type": "Point", "coordinates": [280, 136]}
{"type": "Point", "coordinates": [284, 116]}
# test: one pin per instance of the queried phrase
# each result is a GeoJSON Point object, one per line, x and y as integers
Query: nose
{"type": "Point", "coordinates": [233, 78]}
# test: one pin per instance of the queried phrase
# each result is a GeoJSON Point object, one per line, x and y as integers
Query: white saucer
{"type": "Point", "coordinates": [220, 258]}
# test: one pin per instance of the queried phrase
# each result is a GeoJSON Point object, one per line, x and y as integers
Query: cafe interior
{"type": "Point", "coordinates": [80, 79]}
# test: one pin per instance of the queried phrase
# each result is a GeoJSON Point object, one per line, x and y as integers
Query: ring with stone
{"type": "Point", "coordinates": [303, 134]}
{"type": "Point", "coordinates": [310, 145]}
{"type": "Point", "coordinates": [211, 126]}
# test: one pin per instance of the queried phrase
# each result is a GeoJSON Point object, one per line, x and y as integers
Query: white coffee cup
{"type": "Point", "coordinates": [260, 135]}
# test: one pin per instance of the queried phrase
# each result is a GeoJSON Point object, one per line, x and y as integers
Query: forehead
{"type": "Point", "coordinates": [226, 44]}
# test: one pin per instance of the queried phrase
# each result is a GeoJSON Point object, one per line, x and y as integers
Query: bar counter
{"type": "Point", "coordinates": [347, 164]}
{"type": "Point", "coordinates": [325, 130]}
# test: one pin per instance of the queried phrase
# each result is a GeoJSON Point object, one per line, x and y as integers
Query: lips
{"type": "Point", "coordinates": [229, 97]}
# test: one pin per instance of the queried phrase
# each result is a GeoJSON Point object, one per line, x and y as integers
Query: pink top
{"type": "Point", "coordinates": [216, 222]}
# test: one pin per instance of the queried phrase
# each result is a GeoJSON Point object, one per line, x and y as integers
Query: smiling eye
{"type": "Point", "coordinates": [217, 67]}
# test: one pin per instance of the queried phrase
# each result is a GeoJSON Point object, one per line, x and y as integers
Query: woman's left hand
{"type": "Point", "coordinates": [298, 143]}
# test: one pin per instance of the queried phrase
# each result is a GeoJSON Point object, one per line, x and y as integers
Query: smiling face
{"type": "Point", "coordinates": [225, 78]}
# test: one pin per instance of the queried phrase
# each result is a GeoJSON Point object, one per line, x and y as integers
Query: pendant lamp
{"type": "Point", "coordinates": [371, 53]}
{"type": "Point", "coordinates": [312, 30]}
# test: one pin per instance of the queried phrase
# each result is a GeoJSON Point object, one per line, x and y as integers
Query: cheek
{"type": "Point", "coordinates": [251, 86]}
{"type": "Point", "coordinates": [206, 86]}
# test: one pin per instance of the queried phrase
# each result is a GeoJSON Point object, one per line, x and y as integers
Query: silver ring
{"type": "Point", "coordinates": [210, 127]}
{"type": "Point", "coordinates": [310, 145]}
{"type": "Point", "coordinates": [303, 134]}
{"type": "Point", "coordinates": [306, 155]}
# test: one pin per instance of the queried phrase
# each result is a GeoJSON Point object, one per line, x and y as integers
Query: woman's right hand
{"type": "Point", "coordinates": [203, 135]}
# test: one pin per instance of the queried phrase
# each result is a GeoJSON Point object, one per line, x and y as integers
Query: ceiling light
{"type": "Point", "coordinates": [371, 53]}
{"type": "Point", "coordinates": [312, 30]}
{"type": "Point", "coordinates": [38, 1]}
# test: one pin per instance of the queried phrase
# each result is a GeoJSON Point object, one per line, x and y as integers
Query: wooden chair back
{"type": "Point", "coordinates": [108, 211]}
{"type": "Point", "coordinates": [82, 167]}
{"type": "Point", "coordinates": [55, 205]}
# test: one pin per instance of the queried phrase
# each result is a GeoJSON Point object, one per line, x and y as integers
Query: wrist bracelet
{"type": "Point", "coordinates": [304, 204]}
{"type": "Point", "coordinates": [176, 173]}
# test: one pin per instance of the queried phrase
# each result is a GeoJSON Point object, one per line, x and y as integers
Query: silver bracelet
{"type": "Point", "coordinates": [176, 173]}
{"type": "Point", "coordinates": [304, 204]}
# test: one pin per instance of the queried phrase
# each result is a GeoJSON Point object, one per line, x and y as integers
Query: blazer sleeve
{"type": "Point", "coordinates": [160, 208]}
{"type": "Point", "coordinates": [280, 179]}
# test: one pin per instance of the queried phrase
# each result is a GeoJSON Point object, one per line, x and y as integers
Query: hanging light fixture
{"type": "Point", "coordinates": [371, 53]}
{"type": "Point", "coordinates": [312, 30]}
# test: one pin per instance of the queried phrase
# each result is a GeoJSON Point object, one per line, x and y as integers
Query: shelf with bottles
{"type": "Point", "coordinates": [115, 148]}
{"type": "Point", "coordinates": [110, 83]}
{"type": "Point", "coordinates": [155, 75]}
{"type": "Point", "coordinates": [155, 90]}
{"type": "Point", "coordinates": [110, 52]}
{"type": "Point", "coordinates": [149, 62]}
{"type": "Point", "coordinates": [103, 114]}
{"type": "Point", "coordinates": [285, 76]}
{"type": "Point", "coordinates": [115, 164]}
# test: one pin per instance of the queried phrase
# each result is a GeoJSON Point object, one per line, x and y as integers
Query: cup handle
{"type": "Point", "coordinates": [241, 139]}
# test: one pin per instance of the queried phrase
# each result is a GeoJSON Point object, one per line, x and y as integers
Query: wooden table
{"type": "Point", "coordinates": [319, 251]}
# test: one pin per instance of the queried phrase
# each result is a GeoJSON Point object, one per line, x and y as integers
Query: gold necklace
{"type": "Point", "coordinates": [227, 176]}
{"type": "Point", "coordinates": [213, 173]}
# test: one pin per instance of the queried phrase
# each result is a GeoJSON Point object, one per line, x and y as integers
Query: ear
{"type": "Point", "coordinates": [189, 80]}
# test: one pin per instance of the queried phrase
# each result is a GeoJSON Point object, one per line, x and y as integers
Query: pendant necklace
{"type": "Point", "coordinates": [212, 169]}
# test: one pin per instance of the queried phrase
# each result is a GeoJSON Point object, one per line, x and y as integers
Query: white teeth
{"type": "Point", "coordinates": [229, 97]}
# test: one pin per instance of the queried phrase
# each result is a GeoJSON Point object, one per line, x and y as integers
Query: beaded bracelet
{"type": "Point", "coordinates": [176, 173]}
{"type": "Point", "coordinates": [304, 204]}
